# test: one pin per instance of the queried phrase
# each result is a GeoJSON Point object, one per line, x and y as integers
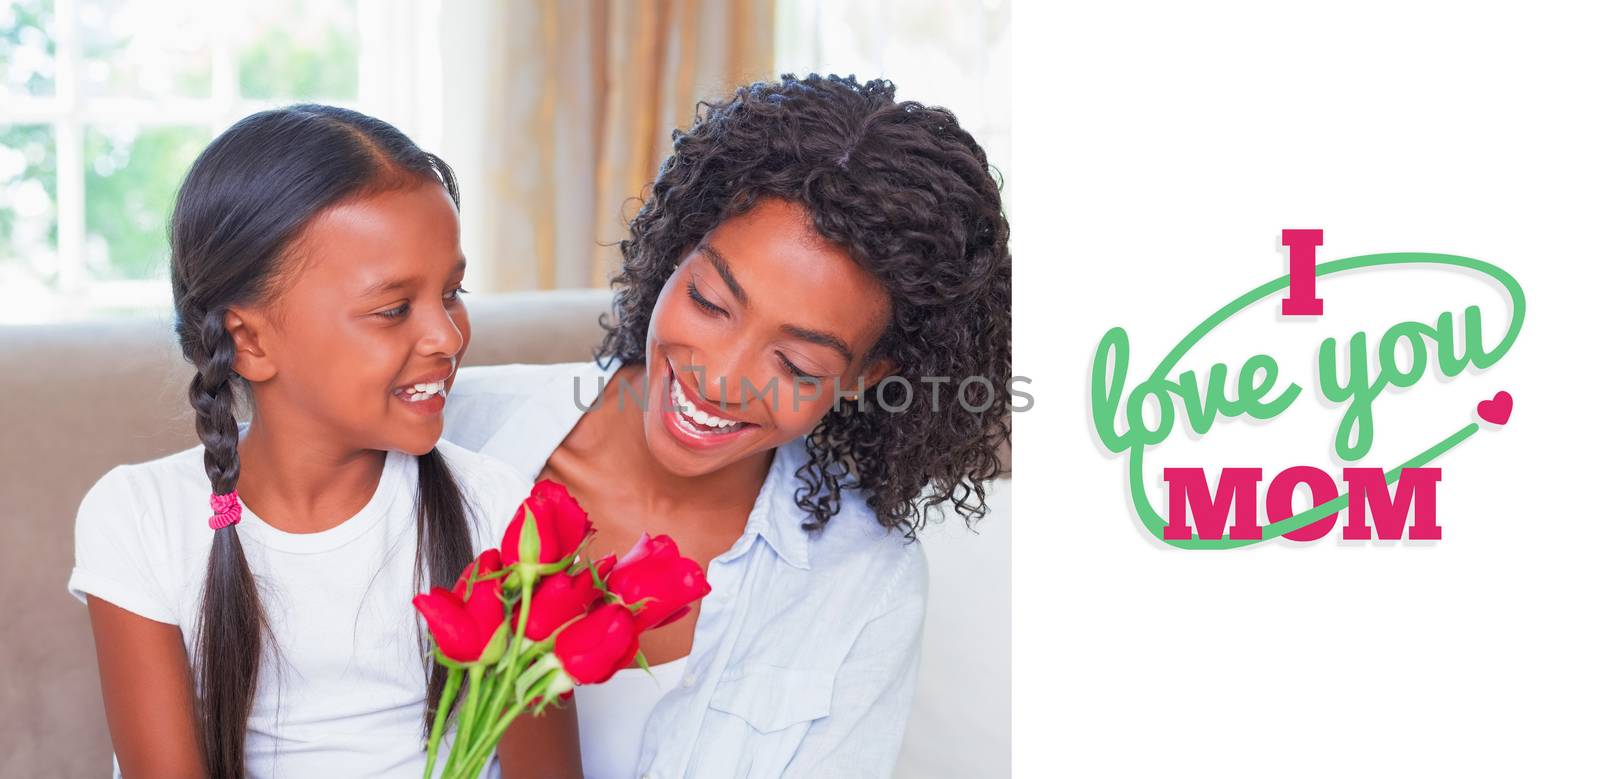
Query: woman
{"type": "Point", "coordinates": [810, 340]}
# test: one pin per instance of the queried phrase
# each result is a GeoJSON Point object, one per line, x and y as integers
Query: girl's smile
{"type": "Point", "coordinates": [426, 394]}
{"type": "Point", "coordinates": [364, 339]}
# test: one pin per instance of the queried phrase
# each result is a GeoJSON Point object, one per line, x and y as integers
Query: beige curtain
{"type": "Point", "coordinates": [582, 99]}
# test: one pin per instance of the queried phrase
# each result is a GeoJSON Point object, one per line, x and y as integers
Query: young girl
{"type": "Point", "coordinates": [811, 349]}
{"type": "Point", "coordinates": [250, 597]}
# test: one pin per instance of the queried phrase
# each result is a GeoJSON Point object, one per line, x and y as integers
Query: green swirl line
{"type": "Point", "coordinates": [1153, 521]}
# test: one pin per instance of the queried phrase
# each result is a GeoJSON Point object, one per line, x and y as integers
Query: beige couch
{"type": "Point", "coordinates": [79, 399]}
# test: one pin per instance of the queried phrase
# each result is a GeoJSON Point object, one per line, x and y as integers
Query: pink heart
{"type": "Point", "coordinates": [1497, 410]}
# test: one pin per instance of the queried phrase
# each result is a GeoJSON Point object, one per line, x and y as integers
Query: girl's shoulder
{"type": "Point", "coordinates": [172, 493]}
{"type": "Point", "coordinates": [136, 530]}
{"type": "Point", "coordinates": [491, 488]}
{"type": "Point", "coordinates": [163, 489]}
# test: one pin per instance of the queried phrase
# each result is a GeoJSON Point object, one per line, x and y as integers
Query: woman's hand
{"type": "Point", "coordinates": [148, 692]}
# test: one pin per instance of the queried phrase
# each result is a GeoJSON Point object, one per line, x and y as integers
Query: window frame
{"type": "Point", "coordinates": [393, 43]}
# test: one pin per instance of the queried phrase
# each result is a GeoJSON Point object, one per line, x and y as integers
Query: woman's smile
{"type": "Point", "coordinates": [695, 422]}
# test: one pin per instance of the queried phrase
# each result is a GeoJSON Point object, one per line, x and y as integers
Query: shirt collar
{"type": "Point", "coordinates": [776, 518]}
{"type": "Point", "coordinates": [534, 431]}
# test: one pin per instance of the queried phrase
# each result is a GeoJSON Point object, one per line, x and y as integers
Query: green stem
{"type": "Point", "coordinates": [468, 718]}
{"type": "Point", "coordinates": [452, 684]}
{"type": "Point", "coordinates": [505, 676]}
{"type": "Point", "coordinates": [502, 679]}
{"type": "Point", "coordinates": [481, 752]}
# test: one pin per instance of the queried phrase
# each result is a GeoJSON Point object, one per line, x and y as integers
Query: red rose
{"type": "Point", "coordinates": [464, 626]}
{"type": "Point", "coordinates": [599, 645]}
{"type": "Point", "coordinates": [653, 569]}
{"type": "Point", "coordinates": [562, 524]}
{"type": "Point", "coordinates": [557, 599]}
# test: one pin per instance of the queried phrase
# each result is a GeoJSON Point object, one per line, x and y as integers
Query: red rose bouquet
{"type": "Point", "coordinates": [527, 622]}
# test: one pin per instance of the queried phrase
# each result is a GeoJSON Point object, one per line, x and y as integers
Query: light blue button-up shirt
{"type": "Point", "coordinates": [805, 653]}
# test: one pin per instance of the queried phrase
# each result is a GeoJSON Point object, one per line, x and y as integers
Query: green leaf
{"type": "Point", "coordinates": [496, 647]}
{"type": "Point", "coordinates": [527, 679]}
{"type": "Point", "coordinates": [528, 543]}
{"type": "Point", "coordinates": [438, 656]}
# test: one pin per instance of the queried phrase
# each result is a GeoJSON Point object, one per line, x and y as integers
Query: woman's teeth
{"type": "Point", "coordinates": [687, 410]}
{"type": "Point", "coordinates": [420, 392]}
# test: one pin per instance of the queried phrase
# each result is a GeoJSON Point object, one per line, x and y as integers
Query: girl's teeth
{"type": "Point", "coordinates": [424, 391]}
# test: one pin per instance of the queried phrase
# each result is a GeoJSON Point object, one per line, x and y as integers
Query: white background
{"type": "Point", "coordinates": [1159, 151]}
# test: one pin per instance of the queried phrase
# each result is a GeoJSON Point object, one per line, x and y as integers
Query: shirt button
{"type": "Point", "coordinates": [688, 680]}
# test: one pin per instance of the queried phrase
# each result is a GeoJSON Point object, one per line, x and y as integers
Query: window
{"type": "Point", "coordinates": [950, 53]}
{"type": "Point", "coordinates": [105, 103]}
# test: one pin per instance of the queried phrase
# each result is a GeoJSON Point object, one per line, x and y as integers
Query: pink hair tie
{"type": "Point", "coordinates": [225, 510]}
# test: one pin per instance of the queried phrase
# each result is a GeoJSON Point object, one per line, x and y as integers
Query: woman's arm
{"type": "Point", "coordinates": [542, 747]}
{"type": "Point", "coordinates": [149, 695]}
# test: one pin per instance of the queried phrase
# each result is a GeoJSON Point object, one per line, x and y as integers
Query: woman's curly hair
{"type": "Point", "coordinates": [909, 195]}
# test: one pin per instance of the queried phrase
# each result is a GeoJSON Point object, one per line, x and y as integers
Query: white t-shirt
{"type": "Point", "coordinates": [345, 693]}
{"type": "Point", "coordinates": [612, 714]}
